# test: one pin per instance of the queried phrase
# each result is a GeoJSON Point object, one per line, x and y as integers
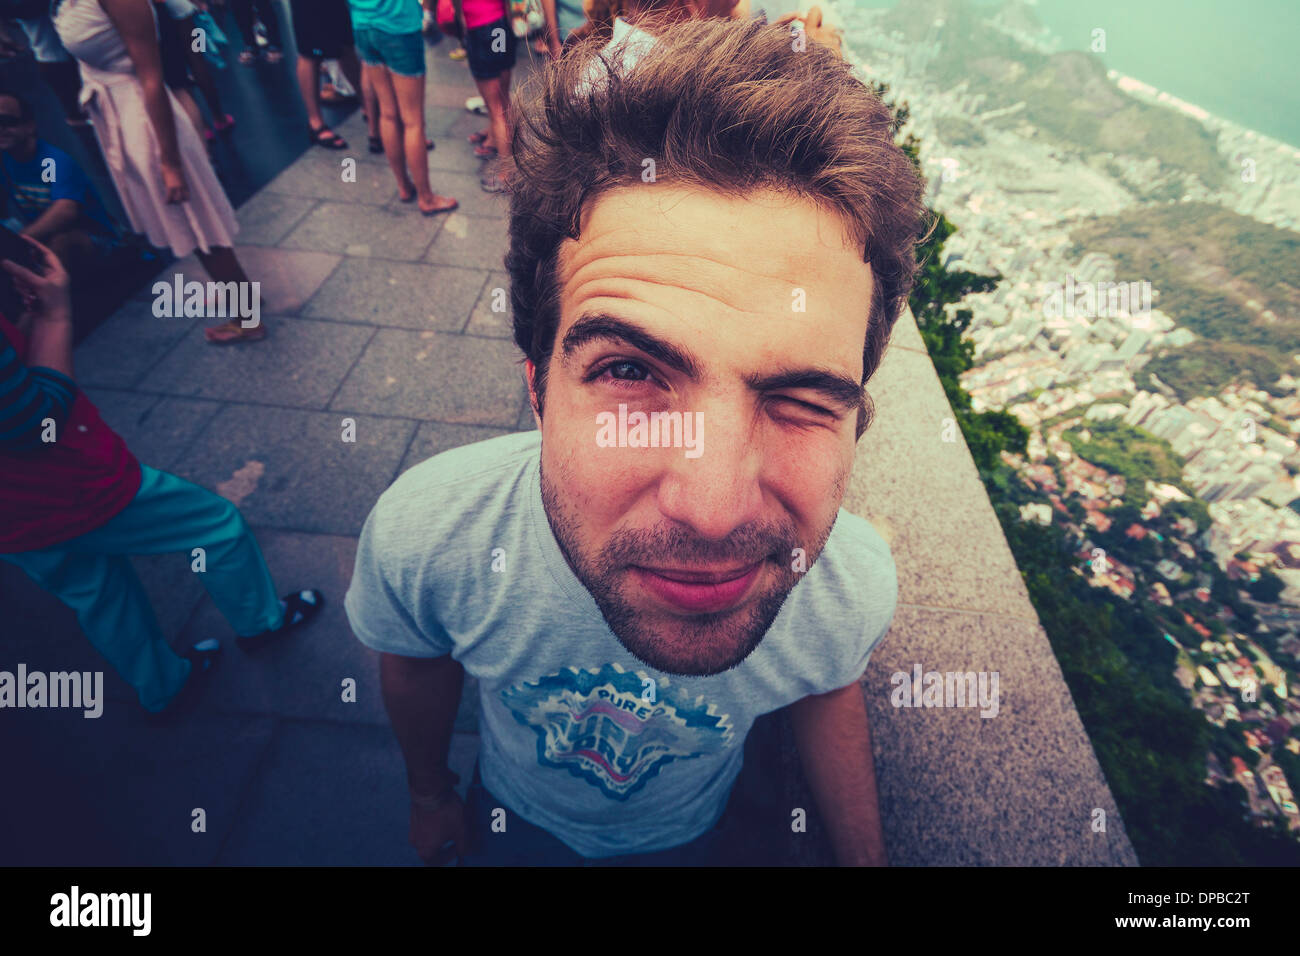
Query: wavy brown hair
{"type": "Point", "coordinates": [721, 105]}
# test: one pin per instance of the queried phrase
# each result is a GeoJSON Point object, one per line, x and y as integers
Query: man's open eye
{"type": "Point", "coordinates": [623, 371]}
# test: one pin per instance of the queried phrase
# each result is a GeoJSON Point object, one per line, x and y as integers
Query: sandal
{"type": "Point", "coordinates": [484, 151]}
{"type": "Point", "coordinates": [229, 333]}
{"type": "Point", "coordinates": [326, 138]}
{"type": "Point", "coordinates": [299, 608]}
{"type": "Point", "coordinates": [477, 138]}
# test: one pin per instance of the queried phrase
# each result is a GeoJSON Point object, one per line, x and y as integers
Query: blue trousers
{"type": "Point", "coordinates": [523, 844]}
{"type": "Point", "coordinates": [92, 575]}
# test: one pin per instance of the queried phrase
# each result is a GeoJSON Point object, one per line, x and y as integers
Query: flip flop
{"type": "Point", "coordinates": [477, 138]}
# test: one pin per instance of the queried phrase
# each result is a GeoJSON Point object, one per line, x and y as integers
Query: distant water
{"type": "Point", "coordinates": [1239, 60]}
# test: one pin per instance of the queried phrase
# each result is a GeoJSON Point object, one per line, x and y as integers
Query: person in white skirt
{"type": "Point", "coordinates": [158, 164]}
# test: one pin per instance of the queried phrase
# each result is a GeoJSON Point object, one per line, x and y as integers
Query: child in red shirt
{"type": "Point", "coordinates": [74, 503]}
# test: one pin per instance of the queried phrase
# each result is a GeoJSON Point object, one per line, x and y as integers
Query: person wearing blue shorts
{"type": "Point", "coordinates": [391, 48]}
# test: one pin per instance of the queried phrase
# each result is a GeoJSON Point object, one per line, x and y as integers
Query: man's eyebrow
{"type": "Point", "coordinates": [841, 389]}
{"type": "Point", "coordinates": [594, 326]}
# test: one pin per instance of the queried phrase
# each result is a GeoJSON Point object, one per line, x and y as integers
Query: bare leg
{"type": "Point", "coordinates": [410, 101]}
{"type": "Point", "coordinates": [309, 86]}
{"type": "Point", "coordinates": [370, 101]}
{"type": "Point", "coordinates": [496, 98]}
{"type": "Point", "coordinates": [223, 266]}
{"type": "Point", "coordinates": [390, 127]}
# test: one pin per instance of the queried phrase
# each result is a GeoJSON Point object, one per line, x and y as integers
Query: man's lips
{"type": "Point", "coordinates": [700, 592]}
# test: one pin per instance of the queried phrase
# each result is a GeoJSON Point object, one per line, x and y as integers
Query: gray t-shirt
{"type": "Point", "coordinates": [575, 737]}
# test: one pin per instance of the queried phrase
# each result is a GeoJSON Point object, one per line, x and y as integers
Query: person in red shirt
{"type": "Point", "coordinates": [74, 503]}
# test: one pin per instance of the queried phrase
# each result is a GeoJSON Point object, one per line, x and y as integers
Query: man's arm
{"type": "Point", "coordinates": [834, 744]}
{"type": "Point", "coordinates": [422, 695]}
{"type": "Point", "coordinates": [62, 214]}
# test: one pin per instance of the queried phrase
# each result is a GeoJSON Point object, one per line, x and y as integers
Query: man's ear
{"type": "Point", "coordinates": [530, 375]}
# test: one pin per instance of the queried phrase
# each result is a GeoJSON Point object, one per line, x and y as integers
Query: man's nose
{"type": "Point", "coordinates": [719, 490]}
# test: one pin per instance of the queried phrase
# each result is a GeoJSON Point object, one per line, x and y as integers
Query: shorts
{"type": "Point", "coordinates": [402, 53]}
{"type": "Point", "coordinates": [485, 63]}
{"type": "Point", "coordinates": [322, 29]}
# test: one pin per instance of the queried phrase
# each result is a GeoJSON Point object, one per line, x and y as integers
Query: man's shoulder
{"type": "Point", "coordinates": [448, 494]}
{"type": "Point", "coordinates": [857, 564]}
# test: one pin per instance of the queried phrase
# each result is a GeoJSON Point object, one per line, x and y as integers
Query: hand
{"type": "Point", "coordinates": [174, 183]}
{"type": "Point", "coordinates": [553, 47]}
{"type": "Point", "coordinates": [440, 835]}
{"type": "Point", "coordinates": [817, 32]}
{"type": "Point", "coordinates": [46, 295]}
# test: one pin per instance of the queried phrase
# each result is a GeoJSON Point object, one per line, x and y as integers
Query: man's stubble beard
{"type": "Point", "coordinates": [718, 641]}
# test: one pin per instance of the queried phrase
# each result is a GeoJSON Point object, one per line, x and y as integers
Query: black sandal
{"type": "Point", "coordinates": [300, 608]}
{"type": "Point", "coordinates": [326, 138]}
